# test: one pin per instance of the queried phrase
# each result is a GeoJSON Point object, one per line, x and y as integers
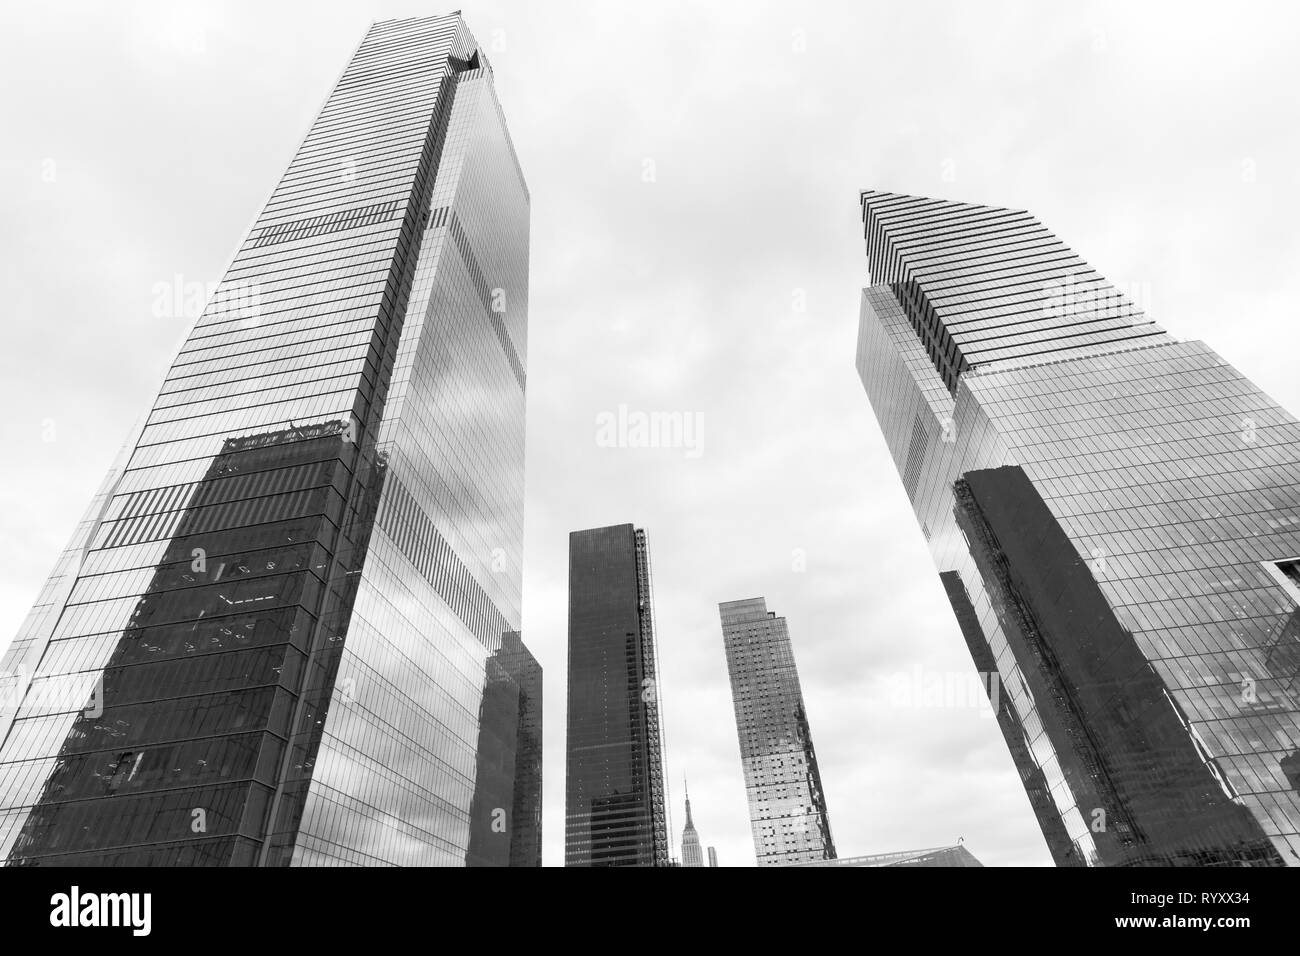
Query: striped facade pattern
{"type": "Point", "coordinates": [336, 352]}
{"type": "Point", "coordinates": [415, 534]}
{"type": "Point", "coordinates": [981, 284]}
{"type": "Point", "coordinates": [323, 225]}
{"type": "Point", "coordinates": [485, 294]}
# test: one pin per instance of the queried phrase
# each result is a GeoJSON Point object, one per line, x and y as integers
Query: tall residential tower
{"type": "Point", "coordinates": [1115, 516]}
{"type": "Point", "coordinates": [787, 808]}
{"type": "Point", "coordinates": [286, 630]}
{"type": "Point", "coordinates": [615, 806]}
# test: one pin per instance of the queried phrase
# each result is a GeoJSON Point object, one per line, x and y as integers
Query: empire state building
{"type": "Point", "coordinates": [692, 854]}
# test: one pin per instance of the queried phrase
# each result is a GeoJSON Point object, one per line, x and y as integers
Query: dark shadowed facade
{"type": "Point", "coordinates": [614, 789]}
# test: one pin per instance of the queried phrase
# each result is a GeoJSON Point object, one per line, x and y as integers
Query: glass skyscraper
{"type": "Point", "coordinates": [286, 631]}
{"type": "Point", "coordinates": [1115, 516]}
{"type": "Point", "coordinates": [615, 806]}
{"type": "Point", "coordinates": [787, 806]}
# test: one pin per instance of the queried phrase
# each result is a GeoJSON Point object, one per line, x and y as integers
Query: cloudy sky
{"type": "Point", "coordinates": [696, 248]}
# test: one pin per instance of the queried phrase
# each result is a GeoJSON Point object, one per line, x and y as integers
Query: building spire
{"type": "Point", "coordinates": [692, 852]}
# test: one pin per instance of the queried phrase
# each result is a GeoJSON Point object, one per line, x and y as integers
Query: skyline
{"type": "Point", "coordinates": [1134, 222]}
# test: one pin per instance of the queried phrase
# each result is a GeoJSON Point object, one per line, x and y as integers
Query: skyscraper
{"type": "Point", "coordinates": [787, 807]}
{"type": "Point", "coordinates": [297, 591]}
{"type": "Point", "coordinates": [1113, 516]}
{"type": "Point", "coordinates": [692, 852]}
{"type": "Point", "coordinates": [713, 856]}
{"type": "Point", "coordinates": [614, 812]}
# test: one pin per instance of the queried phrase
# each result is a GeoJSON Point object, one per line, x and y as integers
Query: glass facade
{"type": "Point", "coordinates": [938, 856]}
{"type": "Point", "coordinates": [614, 812]}
{"type": "Point", "coordinates": [1113, 515]}
{"type": "Point", "coordinates": [508, 768]}
{"type": "Point", "coordinates": [787, 806]}
{"type": "Point", "coordinates": [286, 632]}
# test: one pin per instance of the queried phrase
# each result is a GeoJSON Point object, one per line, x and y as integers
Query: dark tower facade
{"type": "Point", "coordinates": [614, 786]}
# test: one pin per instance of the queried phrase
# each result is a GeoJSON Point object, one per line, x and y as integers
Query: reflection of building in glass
{"type": "Point", "coordinates": [692, 852]}
{"type": "Point", "coordinates": [506, 809]}
{"type": "Point", "coordinates": [1113, 515]}
{"type": "Point", "coordinates": [956, 855]}
{"type": "Point", "coordinates": [294, 579]}
{"type": "Point", "coordinates": [787, 806]}
{"type": "Point", "coordinates": [614, 789]}
{"type": "Point", "coordinates": [216, 665]}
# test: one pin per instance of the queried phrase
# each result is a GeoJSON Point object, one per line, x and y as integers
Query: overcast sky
{"type": "Point", "coordinates": [696, 248]}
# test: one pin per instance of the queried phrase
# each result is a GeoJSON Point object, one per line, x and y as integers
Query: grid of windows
{"type": "Point", "coordinates": [1104, 511]}
{"type": "Point", "coordinates": [614, 793]}
{"type": "Point", "coordinates": [981, 284]}
{"type": "Point", "coordinates": [230, 581]}
{"type": "Point", "coordinates": [787, 807]}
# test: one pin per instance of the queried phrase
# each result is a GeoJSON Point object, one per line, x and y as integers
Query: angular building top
{"type": "Point", "coordinates": [981, 284]}
{"type": "Point", "coordinates": [692, 852]}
